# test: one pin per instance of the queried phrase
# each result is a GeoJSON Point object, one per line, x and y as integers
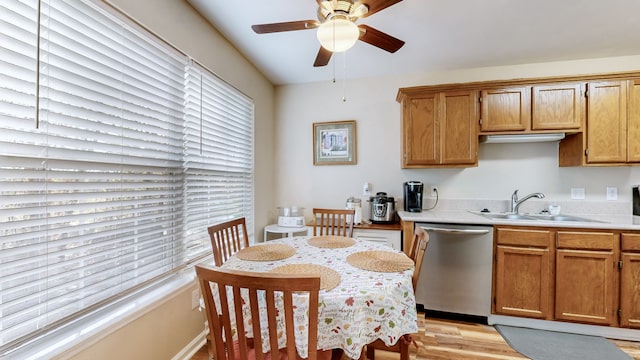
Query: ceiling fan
{"type": "Point", "coordinates": [337, 29]}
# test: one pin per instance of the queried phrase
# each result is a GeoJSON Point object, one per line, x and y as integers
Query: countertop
{"type": "Point", "coordinates": [614, 222]}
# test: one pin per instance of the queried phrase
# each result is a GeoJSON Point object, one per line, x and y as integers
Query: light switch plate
{"type": "Point", "coordinates": [612, 193]}
{"type": "Point", "coordinates": [577, 193]}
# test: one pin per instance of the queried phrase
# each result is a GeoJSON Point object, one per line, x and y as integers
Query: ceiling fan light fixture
{"type": "Point", "coordinates": [338, 34]}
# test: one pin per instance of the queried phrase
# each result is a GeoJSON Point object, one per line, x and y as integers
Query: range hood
{"type": "Point", "coordinates": [520, 138]}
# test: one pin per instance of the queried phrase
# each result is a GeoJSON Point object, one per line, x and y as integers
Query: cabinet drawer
{"type": "Point", "coordinates": [630, 242]}
{"type": "Point", "coordinates": [585, 240]}
{"type": "Point", "coordinates": [523, 237]}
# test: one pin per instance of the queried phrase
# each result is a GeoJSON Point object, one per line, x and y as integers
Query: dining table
{"type": "Point", "coordinates": [366, 291]}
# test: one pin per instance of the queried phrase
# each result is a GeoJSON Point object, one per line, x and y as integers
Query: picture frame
{"type": "Point", "coordinates": [334, 143]}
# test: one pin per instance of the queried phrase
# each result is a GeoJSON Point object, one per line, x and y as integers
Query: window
{"type": "Point", "coordinates": [112, 167]}
{"type": "Point", "coordinates": [218, 153]}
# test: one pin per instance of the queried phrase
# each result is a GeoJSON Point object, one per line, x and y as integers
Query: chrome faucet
{"type": "Point", "coordinates": [515, 203]}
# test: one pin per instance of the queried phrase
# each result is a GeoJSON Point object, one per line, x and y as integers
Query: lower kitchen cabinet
{"type": "Point", "coordinates": [589, 276]}
{"type": "Point", "coordinates": [523, 273]}
{"type": "Point", "coordinates": [630, 281]}
{"type": "Point", "coordinates": [586, 279]}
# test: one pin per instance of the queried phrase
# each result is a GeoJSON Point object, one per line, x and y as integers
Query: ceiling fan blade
{"type": "Point", "coordinates": [323, 57]}
{"type": "Point", "coordinates": [376, 5]}
{"type": "Point", "coordinates": [379, 39]}
{"type": "Point", "coordinates": [285, 26]}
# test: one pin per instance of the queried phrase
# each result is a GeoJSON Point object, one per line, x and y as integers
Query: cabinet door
{"type": "Point", "coordinates": [556, 107]}
{"type": "Point", "coordinates": [630, 281]}
{"type": "Point", "coordinates": [607, 122]}
{"type": "Point", "coordinates": [630, 290]}
{"type": "Point", "coordinates": [507, 109]}
{"type": "Point", "coordinates": [523, 282]}
{"type": "Point", "coordinates": [459, 130]}
{"type": "Point", "coordinates": [633, 127]}
{"type": "Point", "coordinates": [421, 136]}
{"type": "Point", "coordinates": [585, 286]}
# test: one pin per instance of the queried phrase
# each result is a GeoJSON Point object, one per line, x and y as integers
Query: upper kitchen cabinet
{"type": "Point", "coordinates": [606, 122]}
{"type": "Point", "coordinates": [532, 108]}
{"type": "Point", "coordinates": [506, 109]}
{"type": "Point", "coordinates": [439, 128]}
{"type": "Point", "coordinates": [633, 125]}
{"type": "Point", "coordinates": [612, 135]}
{"type": "Point", "coordinates": [557, 107]}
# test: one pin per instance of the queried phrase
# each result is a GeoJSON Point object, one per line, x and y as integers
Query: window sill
{"type": "Point", "coordinates": [87, 330]}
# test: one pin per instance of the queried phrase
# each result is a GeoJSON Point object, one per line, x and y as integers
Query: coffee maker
{"type": "Point", "coordinates": [413, 196]}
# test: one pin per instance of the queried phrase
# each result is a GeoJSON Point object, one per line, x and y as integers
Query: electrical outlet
{"type": "Point", "coordinates": [577, 194]}
{"type": "Point", "coordinates": [434, 191]}
{"type": "Point", "coordinates": [195, 299]}
{"type": "Point", "coordinates": [612, 193]}
{"type": "Point", "coordinates": [366, 189]}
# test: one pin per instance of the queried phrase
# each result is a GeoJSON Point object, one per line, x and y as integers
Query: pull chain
{"type": "Point", "coordinates": [344, 82]}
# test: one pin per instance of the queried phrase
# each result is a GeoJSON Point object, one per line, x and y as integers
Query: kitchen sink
{"type": "Point", "coordinates": [546, 217]}
{"type": "Point", "coordinates": [532, 217]}
{"type": "Point", "coordinates": [503, 216]}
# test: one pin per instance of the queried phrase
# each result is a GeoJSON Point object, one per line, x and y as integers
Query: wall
{"type": "Point", "coordinates": [502, 168]}
{"type": "Point", "coordinates": [167, 328]}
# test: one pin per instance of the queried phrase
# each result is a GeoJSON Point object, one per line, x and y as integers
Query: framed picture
{"type": "Point", "coordinates": [334, 143]}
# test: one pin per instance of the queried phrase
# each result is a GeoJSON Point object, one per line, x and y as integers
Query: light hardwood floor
{"type": "Point", "coordinates": [452, 340]}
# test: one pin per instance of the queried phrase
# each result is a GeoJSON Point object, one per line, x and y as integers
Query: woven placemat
{"type": "Point", "coordinates": [329, 278]}
{"type": "Point", "coordinates": [331, 241]}
{"type": "Point", "coordinates": [268, 252]}
{"type": "Point", "coordinates": [380, 261]}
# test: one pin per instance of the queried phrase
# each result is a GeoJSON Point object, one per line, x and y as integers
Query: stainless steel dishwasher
{"type": "Point", "coordinates": [456, 271]}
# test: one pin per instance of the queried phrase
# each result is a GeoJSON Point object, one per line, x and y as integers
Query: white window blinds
{"type": "Point", "coordinates": [218, 158]}
{"type": "Point", "coordinates": [116, 185]}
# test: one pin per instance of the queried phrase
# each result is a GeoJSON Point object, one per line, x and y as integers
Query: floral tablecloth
{"type": "Point", "coordinates": [365, 306]}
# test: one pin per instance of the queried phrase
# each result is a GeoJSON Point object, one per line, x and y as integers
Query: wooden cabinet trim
{"type": "Point", "coordinates": [408, 91]}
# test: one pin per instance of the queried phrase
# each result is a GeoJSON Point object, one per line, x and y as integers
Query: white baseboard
{"type": "Point", "coordinates": [188, 351]}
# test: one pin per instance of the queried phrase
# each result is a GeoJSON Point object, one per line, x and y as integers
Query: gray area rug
{"type": "Point", "coordinates": [551, 345]}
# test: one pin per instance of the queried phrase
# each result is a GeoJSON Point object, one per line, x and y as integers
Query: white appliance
{"type": "Point", "coordinates": [291, 221]}
{"type": "Point", "coordinates": [355, 204]}
{"type": "Point", "coordinates": [456, 271]}
{"type": "Point", "coordinates": [291, 216]}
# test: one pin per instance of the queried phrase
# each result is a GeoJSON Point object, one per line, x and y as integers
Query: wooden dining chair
{"type": "Point", "coordinates": [416, 253]}
{"type": "Point", "coordinates": [227, 238]}
{"type": "Point", "coordinates": [333, 222]}
{"type": "Point", "coordinates": [418, 248]}
{"type": "Point", "coordinates": [221, 289]}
